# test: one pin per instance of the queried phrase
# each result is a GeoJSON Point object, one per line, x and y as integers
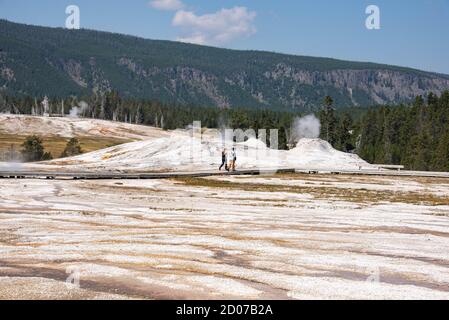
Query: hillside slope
{"type": "Point", "coordinates": [56, 132]}
{"type": "Point", "coordinates": [53, 61]}
{"type": "Point", "coordinates": [75, 127]}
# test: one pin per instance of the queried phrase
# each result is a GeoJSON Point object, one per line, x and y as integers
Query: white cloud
{"type": "Point", "coordinates": [215, 28]}
{"type": "Point", "coordinates": [167, 5]}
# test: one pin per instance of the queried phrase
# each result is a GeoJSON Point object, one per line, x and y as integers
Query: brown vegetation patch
{"type": "Point", "coordinates": [361, 195]}
{"type": "Point", "coordinates": [56, 145]}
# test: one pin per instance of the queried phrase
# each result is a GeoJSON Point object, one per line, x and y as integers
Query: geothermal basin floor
{"type": "Point", "coordinates": [285, 236]}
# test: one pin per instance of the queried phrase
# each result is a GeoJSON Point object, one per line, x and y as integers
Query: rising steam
{"type": "Point", "coordinates": [305, 127]}
{"type": "Point", "coordinates": [79, 110]}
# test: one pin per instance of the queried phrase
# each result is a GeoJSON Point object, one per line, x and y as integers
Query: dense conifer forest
{"type": "Point", "coordinates": [59, 62]}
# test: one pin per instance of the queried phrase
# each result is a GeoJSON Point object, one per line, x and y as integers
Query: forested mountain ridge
{"type": "Point", "coordinates": [41, 61]}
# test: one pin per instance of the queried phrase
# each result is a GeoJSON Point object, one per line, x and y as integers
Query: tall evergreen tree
{"type": "Point", "coordinates": [328, 121]}
{"type": "Point", "coordinates": [32, 149]}
{"type": "Point", "coordinates": [343, 133]}
{"type": "Point", "coordinates": [73, 148]}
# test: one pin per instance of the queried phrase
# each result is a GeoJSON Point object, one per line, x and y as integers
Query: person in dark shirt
{"type": "Point", "coordinates": [224, 160]}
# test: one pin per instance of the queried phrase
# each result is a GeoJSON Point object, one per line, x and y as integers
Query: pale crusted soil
{"type": "Point", "coordinates": [194, 239]}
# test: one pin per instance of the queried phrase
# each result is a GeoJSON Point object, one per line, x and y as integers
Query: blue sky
{"type": "Point", "coordinates": [414, 33]}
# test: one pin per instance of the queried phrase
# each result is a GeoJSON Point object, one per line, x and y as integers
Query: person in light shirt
{"type": "Point", "coordinates": [233, 160]}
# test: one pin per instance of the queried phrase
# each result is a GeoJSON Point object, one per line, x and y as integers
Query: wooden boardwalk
{"type": "Point", "coordinates": [168, 175]}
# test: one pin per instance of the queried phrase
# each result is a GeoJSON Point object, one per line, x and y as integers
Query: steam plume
{"type": "Point", "coordinates": [305, 127]}
{"type": "Point", "coordinates": [78, 111]}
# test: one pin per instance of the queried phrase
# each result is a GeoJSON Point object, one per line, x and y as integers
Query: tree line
{"type": "Point", "coordinates": [415, 135]}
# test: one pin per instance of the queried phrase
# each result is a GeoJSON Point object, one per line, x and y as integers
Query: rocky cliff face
{"type": "Point", "coordinates": [380, 86]}
{"type": "Point", "coordinates": [286, 86]}
{"type": "Point", "coordinates": [58, 62]}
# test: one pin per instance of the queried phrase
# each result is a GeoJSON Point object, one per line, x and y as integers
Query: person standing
{"type": "Point", "coordinates": [233, 159]}
{"type": "Point", "coordinates": [224, 160]}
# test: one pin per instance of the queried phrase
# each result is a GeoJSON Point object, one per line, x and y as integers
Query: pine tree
{"type": "Point", "coordinates": [328, 121]}
{"type": "Point", "coordinates": [73, 148]}
{"type": "Point", "coordinates": [32, 149]}
{"type": "Point", "coordinates": [343, 134]}
{"type": "Point", "coordinates": [47, 156]}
